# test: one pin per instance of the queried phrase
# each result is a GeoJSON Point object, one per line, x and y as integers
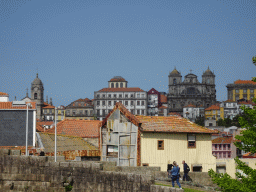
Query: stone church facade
{"type": "Point", "coordinates": [190, 91]}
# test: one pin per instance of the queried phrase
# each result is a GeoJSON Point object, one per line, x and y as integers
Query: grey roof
{"type": "Point", "coordinates": [208, 72]}
{"type": "Point", "coordinates": [37, 81]}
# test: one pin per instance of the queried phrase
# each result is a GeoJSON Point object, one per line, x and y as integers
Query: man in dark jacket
{"type": "Point", "coordinates": [185, 168]}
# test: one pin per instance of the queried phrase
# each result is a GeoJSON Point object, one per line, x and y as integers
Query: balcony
{"type": "Point", "coordinates": [79, 115]}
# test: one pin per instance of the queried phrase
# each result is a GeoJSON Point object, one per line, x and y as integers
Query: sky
{"type": "Point", "coordinates": [77, 46]}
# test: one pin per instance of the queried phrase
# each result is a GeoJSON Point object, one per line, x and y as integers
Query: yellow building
{"type": "Point", "coordinates": [154, 140]}
{"type": "Point", "coordinates": [213, 112]}
{"type": "Point", "coordinates": [60, 113]}
{"type": "Point", "coordinates": [241, 89]}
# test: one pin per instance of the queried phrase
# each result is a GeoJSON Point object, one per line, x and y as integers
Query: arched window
{"type": "Point", "coordinates": [116, 85]}
{"type": "Point", "coordinates": [35, 96]}
{"type": "Point", "coordinates": [121, 85]}
{"type": "Point", "coordinates": [208, 80]}
{"type": "Point", "coordinates": [112, 85]}
{"type": "Point", "coordinates": [174, 81]}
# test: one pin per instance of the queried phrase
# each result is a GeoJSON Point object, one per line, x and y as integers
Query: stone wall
{"type": "Point", "coordinates": [32, 173]}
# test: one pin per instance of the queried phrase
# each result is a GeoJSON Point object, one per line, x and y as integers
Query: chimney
{"type": "Point", "coordinates": [50, 101]}
{"type": "Point", "coordinates": [46, 99]}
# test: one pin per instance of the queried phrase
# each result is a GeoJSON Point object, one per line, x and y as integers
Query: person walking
{"type": "Point", "coordinates": [169, 168]}
{"type": "Point", "coordinates": [175, 174]}
{"type": "Point", "coordinates": [186, 170]}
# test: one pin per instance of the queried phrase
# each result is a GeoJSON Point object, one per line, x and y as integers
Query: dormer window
{"type": "Point", "coordinates": [112, 85]}
{"type": "Point", "coordinates": [121, 85]}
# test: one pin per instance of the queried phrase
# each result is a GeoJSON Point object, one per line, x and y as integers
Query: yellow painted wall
{"type": "Point", "coordinates": [222, 112]}
{"type": "Point", "coordinates": [234, 97]}
{"type": "Point", "coordinates": [175, 149]}
{"type": "Point", "coordinates": [231, 165]}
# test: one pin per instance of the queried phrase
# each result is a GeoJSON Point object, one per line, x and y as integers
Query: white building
{"type": "Point", "coordinates": [4, 97]}
{"type": "Point", "coordinates": [230, 108]}
{"type": "Point", "coordinates": [133, 98]}
{"type": "Point", "coordinates": [191, 112]}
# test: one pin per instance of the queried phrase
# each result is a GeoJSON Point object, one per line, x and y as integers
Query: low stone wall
{"type": "Point", "coordinates": [32, 173]}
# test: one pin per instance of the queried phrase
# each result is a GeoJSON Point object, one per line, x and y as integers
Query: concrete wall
{"type": "Point", "coordinates": [176, 149]}
{"type": "Point", "coordinates": [231, 165]}
{"type": "Point", "coordinates": [22, 173]}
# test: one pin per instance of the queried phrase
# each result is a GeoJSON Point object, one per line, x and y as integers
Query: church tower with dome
{"type": "Point", "coordinates": [37, 95]}
{"type": "Point", "coordinates": [190, 91]}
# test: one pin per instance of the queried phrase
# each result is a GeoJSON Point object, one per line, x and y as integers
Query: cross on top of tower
{"type": "Point", "coordinates": [190, 70]}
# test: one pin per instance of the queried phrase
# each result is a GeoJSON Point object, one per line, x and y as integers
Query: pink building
{"type": "Point", "coordinates": [223, 147]}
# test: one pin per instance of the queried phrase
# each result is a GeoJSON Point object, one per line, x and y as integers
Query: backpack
{"type": "Point", "coordinates": [188, 169]}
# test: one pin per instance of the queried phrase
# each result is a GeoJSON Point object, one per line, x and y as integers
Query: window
{"type": "Point", "coordinates": [138, 95]}
{"type": "Point", "coordinates": [116, 85]}
{"type": "Point", "coordinates": [112, 85]}
{"type": "Point", "coordinates": [132, 111]}
{"type": "Point", "coordinates": [98, 112]}
{"type": "Point", "coordinates": [98, 96]}
{"type": "Point", "coordinates": [114, 102]}
{"type": "Point", "coordinates": [103, 112]}
{"type": "Point", "coordinates": [173, 106]}
{"type": "Point", "coordinates": [112, 150]}
{"type": "Point", "coordinates": [245, 91]}
{"type": "Point", "coordinates": [197, 168]}
{"type": "Point", "coordinates": [228, 146]}
{"type": "Point", "coordinates": [109, 103]}
{"type": "Point", "coordinates": [224, 154]}
{"type": "Point", "coordinates": [81, 112]}
{"type": "Point", "coordinates": [131, 95]}
{"type": "Point", "coordinates": [224, 147]}
{"type": "Point", "coordinates": [229, 154]}
{"type": "Point", "coordinates": [237, 91]}
{"type": "Point", "coordinates": [145, 164]}
{"type": "Point", "coordinates": [174, 82]}
{"type": "Point", "coordinates": [86, 113]}
{"type": "Point", "coordinates": [219, 147]}
{"type": "Point", "coordinates": [126, 95]}
{"type": "Point", "coordinates": [121, 85]}
{"type": "Point", "coordinates": [67, 112]}
{"type": "Point", "coordinates": [35, 96]}
{"type": "Point", "coordinates": [114, 95]}
{"type": "Point", "coordinates": [142, 112]}
{"type": "Point", "coordinates": [213, 111]}
{"type": "Point", "coordinates": [251, 91]}
{"type": "Point", "coordinates": [103, 96]}
{"type": "Point", "coordinates": [216, 146]}
{"type": "Point", "coordinates": [208, 81]}
{"type": "Point", "coordinates": [138, 112]}
{"type": "Point", "coordinates": [142, 103]}
{"type": "Point", "coordinates": [120, 95]}
{"type": "Point", "coordinates": [160, 145]}
{"type": "Point", "coordinates": [98, 103]}
{"type": "Point", "coordinates": [74, 112]}
{"type": "Point", "coordinates": [91, 112]}
{"type": "Point", "coordinates": [138, 102]}
{"type": "Point", "coordinates": [237, 98]}
{"type": "Point", "coordinates": [191, 141]}
{"type": "Point", "coordinates": [109, 96]}
{"type": "Point", "coordinates": [103, 103]}
{"type": "Point", "coordinates": [126, 103]}
{"type": "Point", "coordinates": [142, 95]}
{"type": "Point", "coordinates": [131, 103]}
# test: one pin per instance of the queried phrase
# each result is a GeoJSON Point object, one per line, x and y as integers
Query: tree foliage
{"type": "Point", "coordinates": [247, 141]}
{"type": "Point", "coordinates": [199, 120]}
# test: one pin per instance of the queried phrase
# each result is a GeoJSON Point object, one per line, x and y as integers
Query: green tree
{"type": "Point", "coordinates": [228, 122]}
{"type": "Point", "coordinates": [221, 122]}
{"type": "Point", "coordinates": [200, 120]}
{"type": "Point", "coordinates": [248, 144]}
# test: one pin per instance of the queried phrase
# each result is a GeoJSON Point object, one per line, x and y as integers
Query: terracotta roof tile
{"type": "Point", "coordinates": [80, 128]}
{"type": "Point", "coordinates": [117, 79]}
{"type": "Point", "coordinates": [40, 125]}
{"type": "Point", "coordinates": [223, 140]}
{"type": "Point", "coordinates": [213, 107]}
{"type": "Point", "coordinates": [189, 105]}
{"type": "Point", "coordinates": [245, 103]}
{"type": "Point", "coordinates": [174, 114]}
{"type": "Point", "coordinates": [129, 89]}
{"type": "Point", "coordinates": [163, 107]}
{"type": "Point", "coordinates": [2, 93]}
{"type": "Point", "coordinates": [249, 155]}
{"type": "Point", "coordinates": [229, 101]}
{"type": "Point", "coordinates": [174, 124]}
{"type": "Point", "coordinates": [163, 99]}
{"type": "Point", "coordinates": [245, 82]}
{"type": "Point", "coordinates": [48, 106]}
{"type": "Point", "coordinates": [8, 105]}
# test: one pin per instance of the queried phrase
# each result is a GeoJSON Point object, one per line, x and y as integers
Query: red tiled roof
{"type": "Point", "coordinates": [125, 112]}
{"type": "Point", "coordinates": [8, 105]}
{"type": "Point", "coordinates": [245, 103]}
{"type": "Point", "coordinates": [39, 128]}
{"type": "Point", "coordinates": [223, 140]}
{"type": "Point", "coordinates": [117, 79]}
{"type": "Point", "coordinates": [163, 107]}
{"type": "Point", "coordinates": [129, 89]}
{"type": "Point", "coordinates": [48, 106]}
{"type": "Point", "coordinates": [173, 124]}
{"type": "Point", "coordinates": [2, 93]}
{"type": "Point", "coordinates": [244, 82]}
{"type": "Point", "coordinates": [163, 99]}
{"type": "Point", "coordinates": [79, 128]}
{"type": "Point", "coordinates": [213, 107]}
{"type": "Point", "coordinates": [229, 101]}
{"type": "Point", "coordinates": [189, 105]}
{"type": "Point", "coordinates": [174, 113]}
{"type": "Point", "coordinates": [249, 155]}
{"type": "Point", "coordinates": [152, 91]}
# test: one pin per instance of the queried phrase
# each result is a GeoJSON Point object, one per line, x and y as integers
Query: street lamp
{"type": "Point", "coordinates": [28, 105]}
